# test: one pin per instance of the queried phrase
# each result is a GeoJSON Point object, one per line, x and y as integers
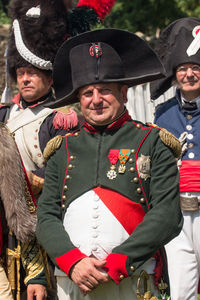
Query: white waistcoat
{"type": "Point", "coordinates": [95, 230]}
{"type": "Point", "coordinates": [25, 125]}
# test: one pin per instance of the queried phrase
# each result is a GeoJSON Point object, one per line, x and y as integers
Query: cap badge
{"type": "Point", "coordinates": [96, 50]}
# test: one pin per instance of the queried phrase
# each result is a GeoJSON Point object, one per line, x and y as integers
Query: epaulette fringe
{"type": "Point", "coordinates": [52, 146]}
{"type": "Point", "coordinates": [171, 141]}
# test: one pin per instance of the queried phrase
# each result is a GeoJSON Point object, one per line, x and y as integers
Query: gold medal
{"type": "Point", "coordinates": [122, 169]}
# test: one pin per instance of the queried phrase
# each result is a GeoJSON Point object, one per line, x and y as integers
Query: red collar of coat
{"type": "Point", "coordinates": [114, 125]}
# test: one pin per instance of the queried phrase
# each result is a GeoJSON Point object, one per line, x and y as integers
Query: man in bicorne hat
{"type": "Point", "coordinates": [39, 28]}
{"type": "Point", "coordinates": [112, 185]}
{"type": "Point", "coordinates": [179, 49]}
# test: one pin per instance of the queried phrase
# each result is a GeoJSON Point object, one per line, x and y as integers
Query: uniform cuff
{"type": "Point", "coordinates": [67, 260]}
{"type": "Point", "coordinates": [116, 267]}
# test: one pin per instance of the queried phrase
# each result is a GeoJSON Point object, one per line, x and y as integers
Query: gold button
{"type": "Point", "coordinates": [132, 151]}
{"type": "Point", "coordinates": [70, 167]}
{"type": "Point", "coordinates": [139, 191]}
{"type": "Point", "coordinates": [135, 180]}
{"type": "Point", "coordinates": [63, 206]}
{"type": "Point", "coordinates": [76, 133]}
{"type": "Point", "coordinates": [130, 160]}
{"type": "Point", "coordinates": [138, 126]}
{"type": "Point", "coordinates": [132, 169]}
{"type": "Point", "coordinates": [142, 200]}
{"type": "Point", "coordinates": [190, 145]}
{"type": "Point", "coordinates": [189, 117]}
{"type": "Point", "coordinates": [72, 157]}
{"type": "Point", "coordinates": [68, 177]}
{"type": "Point", "coordinates": [65, 188]}
{"type": "Point", "coordinates": [121, 277]}
{"type": "Point", "coordinates": [64, 197]}
{"type": "Point", "coordinates": [132, 268]}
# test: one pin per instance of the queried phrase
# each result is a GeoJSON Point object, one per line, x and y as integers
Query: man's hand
{"type": "Point", "coordinates": [88, 274]}
{"type": "Point", "coordinates": [37, 290]}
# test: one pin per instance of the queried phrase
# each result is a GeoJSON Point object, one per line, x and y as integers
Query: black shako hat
{"type": "Point", "coordinates": [105, 55]}
{"type": "Point", "coordinates": [178, 43]}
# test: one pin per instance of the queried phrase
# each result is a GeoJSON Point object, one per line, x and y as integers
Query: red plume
{"type": "Point", "coordinates": [101, 7]}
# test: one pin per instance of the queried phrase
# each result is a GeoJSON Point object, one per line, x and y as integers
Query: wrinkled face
{"type": "Point", "coordinates": [188, 79]}
{"type": "Point", "coordinates": [102, 103]}
{"type": "Point", "coordinates": [32, 83]}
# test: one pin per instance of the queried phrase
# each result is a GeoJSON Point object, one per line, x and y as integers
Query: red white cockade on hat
{"type": "Point", "coordinates": [195, 45]}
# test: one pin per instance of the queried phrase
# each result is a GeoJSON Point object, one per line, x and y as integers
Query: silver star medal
{"type": "Point", "coordinates": [112, 174]}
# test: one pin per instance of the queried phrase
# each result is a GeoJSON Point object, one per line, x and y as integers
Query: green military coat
{"type": "Point", "coordinates": [151, 183]}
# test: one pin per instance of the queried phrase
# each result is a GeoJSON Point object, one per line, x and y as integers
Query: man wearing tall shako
{"type": "Point", "coordinates": [30, 55]}
{"type": "Point", "coordinates": [111, 194]}
{"type": "Point", "coordinates": [179, 49]}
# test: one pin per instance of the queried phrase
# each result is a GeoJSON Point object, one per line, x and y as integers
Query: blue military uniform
{"type": "Point", "coordinates": [178, 120]}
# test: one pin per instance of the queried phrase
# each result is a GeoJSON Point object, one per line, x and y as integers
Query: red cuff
{"type": "Point", "coordinates": [67, 260]}
{"type": "Point", "coordinates": [116, 267]}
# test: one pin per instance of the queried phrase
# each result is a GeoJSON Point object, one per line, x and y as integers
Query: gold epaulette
{"type": "Point", "coordinates": [52, 146]}
{"type": "Point", "coordinates": [171, 141]}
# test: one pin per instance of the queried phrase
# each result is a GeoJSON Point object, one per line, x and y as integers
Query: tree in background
{"type": "Point", "coordinates": [150, 16]}
{"type": "Point", "coordinates": [146, 16]}
{"type": "Point", "coordinates": [4, 11]}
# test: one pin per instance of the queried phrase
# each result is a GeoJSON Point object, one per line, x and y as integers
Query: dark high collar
{"type": "Point", "coordinates": [112, 126]}
{"type": "Point", "coordinates": [21, 103]}
{"type": "Point", "coordinates": [42, 99]}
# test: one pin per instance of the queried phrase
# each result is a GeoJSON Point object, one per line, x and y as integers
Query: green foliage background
{"type": "Point", "coordinates": [4, 19]}
{"type": "Point", "coordinates": [150, 16]}
{"type": "Point", "coordinates": [146, 16]}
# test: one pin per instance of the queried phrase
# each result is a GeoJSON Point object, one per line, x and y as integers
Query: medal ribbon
{"type": "Point", "coordinates": [124, 155]}
{"type": "Point", "coordinates": [113, 156]}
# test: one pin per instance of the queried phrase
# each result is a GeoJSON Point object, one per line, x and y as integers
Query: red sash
{"type": "Point", "coordinates": [190, 176]}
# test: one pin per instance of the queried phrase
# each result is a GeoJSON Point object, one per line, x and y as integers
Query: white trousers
{"type": "Point", "coordinates": [183, 255]}
{"type": "Point", "coordinates": [5, 290]}
{"type": "Point", "coordinates": [126, 290]}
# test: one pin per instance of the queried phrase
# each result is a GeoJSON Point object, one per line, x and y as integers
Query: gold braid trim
{"type": "Point", "coordinates": [52, 146]}
{"type": "Point", "coordinates": [29, 200]}
{"type": "Point", "coordinates": [171, 141]}
{"type": "Point", "coordinates": [63, 109]}
{"type": "Point", "coordinates": [32, 260]}
{"type": "Point", "coordinates": [13, 255]}
{"type": "Point", "coordinates": [36, 182]}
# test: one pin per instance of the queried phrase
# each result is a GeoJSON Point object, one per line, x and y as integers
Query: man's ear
{"type": "Point", "coordinates": [124, 93]}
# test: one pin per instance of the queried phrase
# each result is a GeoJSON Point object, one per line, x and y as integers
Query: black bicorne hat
{"type": "Point", "coordinates": [178, 43]}
{"type": "Point", "coordinates": [106, 55]}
